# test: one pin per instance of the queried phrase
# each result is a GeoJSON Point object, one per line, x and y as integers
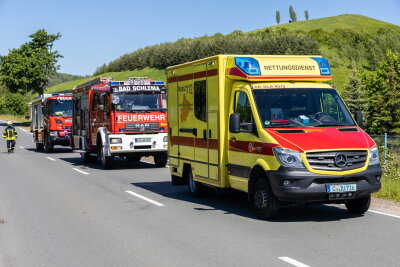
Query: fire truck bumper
{"type": "Point", "coordinates": [294, 185]}
{"type": "Point", "coordinates": [126, 144]}
{"type": "Point", "coordinates": [61, 140]}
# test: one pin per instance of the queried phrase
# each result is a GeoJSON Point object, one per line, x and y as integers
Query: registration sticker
{"type": "Point", "coordinates": [339, 188]}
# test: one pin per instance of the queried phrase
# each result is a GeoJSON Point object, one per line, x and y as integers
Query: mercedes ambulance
{"type": "Point", "coordinates": [271, 127]}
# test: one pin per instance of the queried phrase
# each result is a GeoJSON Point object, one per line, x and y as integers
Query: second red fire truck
{"type": "Point", "coordinates": [120, 118]}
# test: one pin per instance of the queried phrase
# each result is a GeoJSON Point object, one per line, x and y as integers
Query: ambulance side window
{"type": "Point", "coordinates": [200, 100]}
{"type": "Point", "coordinates": [244, 109]}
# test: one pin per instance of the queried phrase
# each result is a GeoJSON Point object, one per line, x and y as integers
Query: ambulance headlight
{"type": "Point", "coordinates": [116, 140]}
{"type": "Point", "coordinates": [374, 156]}
{"type": "Point", "coordinates": [248, 65]}
{"type": "Point", "coordinates": [165, 139]}
{"type": "Point", "coordinates": [288, 157]}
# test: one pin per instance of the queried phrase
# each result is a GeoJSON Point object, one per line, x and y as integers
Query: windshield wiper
{"type": "Point", "coordinates": [332, 125]}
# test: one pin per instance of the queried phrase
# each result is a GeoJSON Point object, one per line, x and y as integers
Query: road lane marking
{"type": "Point", "coordinates": [24, 130]}
{"type": "Point", "coordinates": [78, 170]}
{"type": "Point", "coordinates": [50, 159]}
{"type": "Point", "coordinates": [145, 198]}
{"type": "Point", "coordinates": [384, 213]}
{"type": "Point", "coordinates": [293, 262]}
{"type": "Point", "coordinates": [22, 147]}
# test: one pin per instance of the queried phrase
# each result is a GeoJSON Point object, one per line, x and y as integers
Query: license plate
{"type": "Point", "coordinates": [142, 140]}
{"type": "Point", "coordinates": [338, 188]}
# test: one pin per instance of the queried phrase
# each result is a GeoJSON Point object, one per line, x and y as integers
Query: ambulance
{"type": "Point", "coordinates": [269, 126]}
{"type": "Point", "coordinates": [51, 116]}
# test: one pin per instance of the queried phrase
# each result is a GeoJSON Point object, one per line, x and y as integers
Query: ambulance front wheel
{"type": "Point", "coordinates": [358, 205]}
{"type": "Point", "coordinates": [265, 203]}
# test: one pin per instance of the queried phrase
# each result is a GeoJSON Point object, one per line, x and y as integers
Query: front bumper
{"type": "Point", "coordinates": [61, 140]}
{"type": "Point", "coordinates": [311, 187]}
{"type": "Point", "coordinates": [138, 143]}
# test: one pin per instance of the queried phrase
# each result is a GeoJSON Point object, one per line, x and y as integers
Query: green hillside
{"type": "Point", "coordinates": [121, 76]}
{"type": "Point", "coordinates": [329, 24]}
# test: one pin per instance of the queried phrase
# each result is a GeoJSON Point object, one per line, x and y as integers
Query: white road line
{"type": "Point", "coordinates": [78, 170]}
{"type": "Point", "coordinates": [293, 262]}
{"type": "Point", "coordinates": [383, 213]}
{"type": "Point", "coordinates": [24, 130]}
{"type": "Point", "coordinates": [145, 198]}
{"type": "Point", "coordinates": [50, 158]}
{"type": "Point", "coordinates": [22, 147]}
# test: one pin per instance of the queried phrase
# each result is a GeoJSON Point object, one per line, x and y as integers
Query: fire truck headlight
{"type": "Point", "coordinates": [288, 157]}
{"type": "Point", "coordinates": [165, 139]}
{"type": "Point", "coordinates": [59, 122]}
{"type": "Point", "coordinates": [116, 140]}
{"type": "Point", "coordinates": [373, 156]}
{"type": "Point", "coordinates": [53, 133]}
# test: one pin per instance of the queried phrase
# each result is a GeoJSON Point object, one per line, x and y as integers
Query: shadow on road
{"type": "Point", "coordinates": [57, 150]}
{"type": "Point", "coordinates": [118, 163]}
{"type": "Point", "coordinates": [235, 202]}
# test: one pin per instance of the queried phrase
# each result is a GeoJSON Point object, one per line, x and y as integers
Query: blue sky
{"type": "Point", "coordinates": [97, 32]}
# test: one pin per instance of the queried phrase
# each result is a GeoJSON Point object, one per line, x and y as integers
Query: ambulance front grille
{"type": "Point", "coordinates": [142, 127]}
{"type": "Point", "coordinates": [354, 159]}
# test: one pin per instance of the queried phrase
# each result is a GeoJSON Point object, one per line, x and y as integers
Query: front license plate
{"type": "Point", "coordinates": [339, 188]}
{"type": "Point", "coordinates": [142, 140]}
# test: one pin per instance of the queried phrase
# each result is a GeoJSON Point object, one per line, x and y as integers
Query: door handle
{"type": "Point", "coordinates": [205, 134]}
{"type": "Point", "coordinates": [233, 138]}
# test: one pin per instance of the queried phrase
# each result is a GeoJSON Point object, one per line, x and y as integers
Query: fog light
{"type": "Point", "coordinates": [116, 147]}
{"type": "Point", "coordinates": [287, 183]}
{"type": "Point", "coordinates": [165, 139]}
{"type": "Point", "coordinates": [165, 146]}
{"type": "Point", "coordinates": [154, 144]}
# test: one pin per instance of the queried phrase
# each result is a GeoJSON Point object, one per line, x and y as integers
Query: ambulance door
{"type": "Point", "coordinates": [186, 121]}
{"type": "Point", "coordinates": [201, 118]}
{"type": "Point", "coordinates": [242, 145]}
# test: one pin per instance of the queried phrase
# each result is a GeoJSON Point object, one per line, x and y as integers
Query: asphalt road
{"type": "Point", "coordinates": [55, 211]}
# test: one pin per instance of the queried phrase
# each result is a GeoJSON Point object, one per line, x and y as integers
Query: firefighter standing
{"type": "Point", "coordinates": [10, 134]}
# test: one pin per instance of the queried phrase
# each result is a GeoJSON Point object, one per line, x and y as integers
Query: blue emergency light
{"type": "Point", "coordinates": [248, 65]}
{"type": "Point", "coordinates": [324, 67]}
{"type": "Point", "coordinates": [160, 82]}
{"type": "Point", "coordinates": [114, 83]}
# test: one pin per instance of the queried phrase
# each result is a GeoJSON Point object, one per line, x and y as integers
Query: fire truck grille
{"type": "Point", "coordinates": [337, 160]}
{"type": "Point", "coordinates": [142, 127]}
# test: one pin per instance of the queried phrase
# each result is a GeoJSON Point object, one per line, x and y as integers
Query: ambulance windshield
{"type": "Point", "coordinates": [293, 108]}
{"type": "Point", "coordinates": [129, 102]}
{"type": "Point", "coordinates": [61, 108]}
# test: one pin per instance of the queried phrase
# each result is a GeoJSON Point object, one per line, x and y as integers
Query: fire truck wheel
{"type": "Point", "coordinates": [160, 160]}
{"type": "Point", "coordinates": [39, 146]}
{"type": "Point", "coordinates": [264, 201]}
{"type": "Point", "coordinates": [48, 146]}
{"type": "Point", "coordinates": [358, 205]}
{"type": "Point", "coordinates": [196, 189]}
{"type": "Point", "coordinates": [106, 161]}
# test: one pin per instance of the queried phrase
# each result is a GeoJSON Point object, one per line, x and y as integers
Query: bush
{"type": "Point", "coordinates": [14, 104]}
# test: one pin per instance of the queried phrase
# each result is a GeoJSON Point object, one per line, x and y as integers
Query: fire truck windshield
{"type": "Point", "coordinates": [295, 108]}
{"type": "Point", "coordinates": [139, 102]}
{"type": "Point", "coordinates": [61, 108]}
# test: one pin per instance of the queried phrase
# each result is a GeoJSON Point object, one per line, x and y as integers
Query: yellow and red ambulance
{"type": "Point", "coordinates": [269, 126]}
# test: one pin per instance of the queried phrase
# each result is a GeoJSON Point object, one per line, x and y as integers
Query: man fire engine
{"type": "Point", "coordinates": [51, 116]}
{"type": "Point", "coordinates": [120, 118]}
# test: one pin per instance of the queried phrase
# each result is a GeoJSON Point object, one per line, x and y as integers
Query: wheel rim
{"type": "Point", "coordinates": [261, 198]}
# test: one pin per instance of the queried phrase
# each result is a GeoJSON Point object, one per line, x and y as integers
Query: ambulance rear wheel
{"type": "Point", "coordinates": [358, 205]}
{"type": "Point", "coordinates": [265, 204]}
{"type": "Point", "coordinates": [106, 161]}
{"type": "Point", "coordinates": [196, 189]}
{"type": "Point", "coordinates": [160, 160]}
{"type": "Point", "coordinates": [48, 146]}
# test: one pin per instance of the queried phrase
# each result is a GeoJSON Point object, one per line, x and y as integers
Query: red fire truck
{"type": "Point", "coordinates": [51, 116]}
{"type": "Point", "coordinates": [120, 118]}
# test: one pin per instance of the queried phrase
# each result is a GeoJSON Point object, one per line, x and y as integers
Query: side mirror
{"type": "Point", "coordinates": [101, 107]}
{"type": "Point", "coordinates": [234, 123]}
{"type": "Point", "coordinates": [359, 118]}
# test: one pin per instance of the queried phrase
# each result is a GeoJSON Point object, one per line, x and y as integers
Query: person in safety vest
{"type": "Point", "coordinates": [10, 134]}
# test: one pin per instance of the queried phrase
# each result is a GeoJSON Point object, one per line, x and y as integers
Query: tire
{"type": "Point", "coordinates": [39, 147]}
{"type": "Point", "coordinates": [106, 161]}
{"type": "Point", "coordinates": [133, 158]}
{"type": "Point", "coordinates": [265, 204]}
{"type": "Point", "coordinates": [161, 160]}
{"type": "Point", "coordinates": [358, 205]}
{"type": "Point", "coordinates": [86, 157]}
{"type": "Point", "coordinates": [176, 180]}
{"type": "Point", "coordinates": [48, 146]}
{"type": "Point", "coordinates": [196, 189]}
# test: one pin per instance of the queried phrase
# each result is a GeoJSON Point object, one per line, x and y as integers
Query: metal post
{"type": "Point", "coordinates": [385, 146]}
